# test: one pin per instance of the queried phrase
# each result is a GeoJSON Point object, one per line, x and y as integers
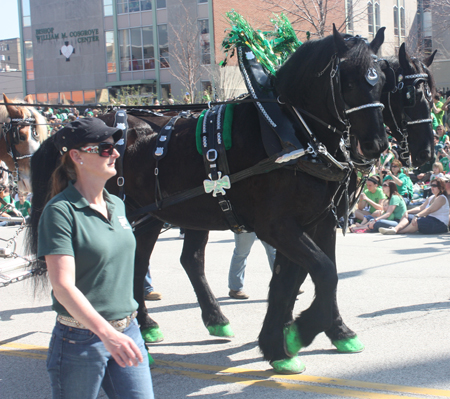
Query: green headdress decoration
{"type": "Point", "coordinates": [270, 48]}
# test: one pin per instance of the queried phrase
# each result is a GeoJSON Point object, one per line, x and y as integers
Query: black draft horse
{"type": "Point", "coordinates": [287, 208]}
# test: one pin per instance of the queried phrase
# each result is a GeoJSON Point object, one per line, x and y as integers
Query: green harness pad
{"type": "Point", "coordinates": [226, 133]}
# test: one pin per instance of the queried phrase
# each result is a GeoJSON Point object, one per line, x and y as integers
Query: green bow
{"type": "Point", "coordinates": [217, 186]}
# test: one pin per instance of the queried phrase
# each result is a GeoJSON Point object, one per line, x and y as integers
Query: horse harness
{"type": "Point", "coordinates": [10, 132]}
{"type": "Point", "coordinates": [407, 87]}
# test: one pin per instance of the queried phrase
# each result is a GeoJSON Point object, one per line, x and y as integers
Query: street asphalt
{"type": "Point", "coordinates": [394, 291]}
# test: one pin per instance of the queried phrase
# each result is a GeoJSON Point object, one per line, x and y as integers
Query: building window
{"type": "Point", "coordinates": [373, 16]}
{"type": "Point", "coordinates": [136, 49]}
{"type": "Point", "coordinates": [399, 18]}
{"type": "Point", "coordinates": [166, 92]}
{"type": "Point", "coordinates": [89, 96]}
{"type": "Point", "coordinates": [163, 40]}
{"type": "Point", "coordinates": [110, 52]}
{"type": "Point", "coordinates": [205, 50]}
{"type": "Point", "coordinates": [29, 65]}
{"type": "Point", "coordinates": [350, 25]}
{"type": "Point", "coordinates": [108, 8]}
{"type": "Point", "coordinates": [53, 98]}
{"type": "Point", "coordinates": [66, 97]}
{"type": "Point", "coordinates": [26, 13]}
{"type": "Point", "coordinates": [77, 97]}
{"type": "Point", "coordinates": [127, 6]}
{"type": "Point", "coordinates": [202, 1]}
{"type": "Point", "coordinates": [7, 47]}
{"type": "Point", "coordinates": [42, 98]}
{"type": "Point", "coordinates": [161, 4]}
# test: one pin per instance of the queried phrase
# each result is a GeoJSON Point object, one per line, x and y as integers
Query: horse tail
{"type": "Point", "coordinates": [43, 163]}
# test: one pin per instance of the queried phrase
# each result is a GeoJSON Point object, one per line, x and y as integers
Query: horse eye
{"type": "Point", "coordinates": [23, 137]}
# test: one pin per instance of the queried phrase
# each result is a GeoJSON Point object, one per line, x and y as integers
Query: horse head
{"type": "Point", "coordinates": [408, 105]}
{"type": "Point", "coordinates": [338, 80]}
{"type": "Point", "coordinates": [362, 82]}
{"type": "Point", "coordinates": [23, 131]}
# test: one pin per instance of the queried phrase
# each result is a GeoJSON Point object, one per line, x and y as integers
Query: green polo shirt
{"type": "Point", "coordinates": [103, 250]}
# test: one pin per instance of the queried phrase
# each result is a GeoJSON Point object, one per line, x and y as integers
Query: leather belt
{"type": "Point", "coordinates": [119, 325]}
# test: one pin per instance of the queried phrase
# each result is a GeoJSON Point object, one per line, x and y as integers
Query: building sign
{"type": "Point", "coordinates": [81, 36]}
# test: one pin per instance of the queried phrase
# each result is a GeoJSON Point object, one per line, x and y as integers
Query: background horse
{"type": "Point", "coordinates": [23, 130]}
{"type": "Point", "coordinates": [409, 119]}
{"type": "Point", "coordinates": [287, 208]}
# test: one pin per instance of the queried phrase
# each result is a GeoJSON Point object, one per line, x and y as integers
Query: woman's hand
{"type": "Point", "coordinates": [122, 348]}
{"type": "Point", "coordinates": [362, 197]}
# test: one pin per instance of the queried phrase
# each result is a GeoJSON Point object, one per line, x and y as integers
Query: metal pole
{"type": "Point", "coordinates": [156, 49]}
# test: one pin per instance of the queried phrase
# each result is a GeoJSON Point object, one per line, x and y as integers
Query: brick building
{"type": "Point", "coordinates": [11, 68]}
{"type": "Point", "coordinates": [85, 51]}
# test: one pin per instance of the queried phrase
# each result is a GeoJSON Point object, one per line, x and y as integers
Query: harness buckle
{"type": "Point", "coordinates": [211, 157]}
{"type": "Point", "coordinates": [225, 205]}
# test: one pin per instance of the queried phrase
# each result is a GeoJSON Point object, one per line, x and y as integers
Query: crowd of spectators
{"type": "Point", "coordinates": [397, 199]}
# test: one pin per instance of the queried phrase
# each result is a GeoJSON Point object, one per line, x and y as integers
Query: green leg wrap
{"type": "Point", "coordinates": [221, 331]}
{"type": "Point", "coordinates": [349, 345]}
{"type": "Point", "coordinates": [292, 365]}
{"type": "Point", "coordinates": [152, 334]}
{"type": "Point", "coordinates": [151, 361]}
{"type": "Point", "coordinates": [292, 342]}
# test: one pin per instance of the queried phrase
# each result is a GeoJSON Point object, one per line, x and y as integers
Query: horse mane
{"type": "Point", "coordinates": [27, 111]}
{"type": "Point", "coordinates": [311, 58]}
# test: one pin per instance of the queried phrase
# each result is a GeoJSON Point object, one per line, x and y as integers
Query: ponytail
{"type": "Point", "coordinates": [62, 175]}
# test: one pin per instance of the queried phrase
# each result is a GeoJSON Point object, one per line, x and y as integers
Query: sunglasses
{"type": "Point", "coordinates": [103, 149]}
{"type": "Point", "coordinates": [385, 185]}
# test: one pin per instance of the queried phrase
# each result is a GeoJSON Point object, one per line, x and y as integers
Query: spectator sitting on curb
{"type": "Point", "coordinates": [372, 196]}
{"type": "Point", "coordinates": [431, 217]}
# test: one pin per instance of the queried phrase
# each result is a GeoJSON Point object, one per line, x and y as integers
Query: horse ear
{"type": "Point", "coordinates": [28, 99]}
{"type": "Point", "coordinates": [376, 43]}
{"type": "Point", "coordinates": [12, 109]}
{"type": "Point", "coordinates": [339, 42]}
{"type": "Point", "coordinates": [429, 60]}
{"type": "Point", "coordinates": [403, 57]}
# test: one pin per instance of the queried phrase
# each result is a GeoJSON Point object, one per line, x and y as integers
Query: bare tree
{"type": "Point", "coordinates": [186, 60]}
{"type": "Point", "coordinates": [317, 16]}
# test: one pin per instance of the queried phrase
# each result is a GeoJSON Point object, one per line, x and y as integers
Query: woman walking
{"type": "Point", "coordinates": [89, 249]}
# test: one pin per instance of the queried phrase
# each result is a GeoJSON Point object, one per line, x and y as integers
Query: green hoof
{"type": "Point", "coordinates": [349, 345]}
{"type": "Point", "coordinates": [292, 365]}
{"type": "Point", "coordinates": [151, 361]}
{"type": "Point", "coordinates": [152, 334]}
{"type": "Point", "coordinates": [221, 331]}
{"type": "Point", "coordinates": [292, 342]}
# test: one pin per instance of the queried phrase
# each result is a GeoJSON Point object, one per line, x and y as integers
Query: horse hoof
{"type": "Point", "coordinates": [152, 334]}
{"type": "Point", "coordinates": [151, 361]}
{"type": "Point", "coordinates": [349, 345]}
{"type": "Point", "coordinates": [292, 342]}
{"type": "Point", "coordinates": [292, 365]}
{"type": "Point", "coordinates": [221, 331]}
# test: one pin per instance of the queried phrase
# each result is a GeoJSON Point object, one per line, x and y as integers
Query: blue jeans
{"type": "Point", "coordinates": [382, 223]}
{"type": "Point", "coordinates": [243, 244]}
{"type": "Point", "coordinates": [148, 282]}
{"type": "Point", "coordinates": [79, 365]}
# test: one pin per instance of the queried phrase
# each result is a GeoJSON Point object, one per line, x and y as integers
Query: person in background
{"type": "Point", "coordinates": [397, 207]}
{"type": "Point", "coordinates": [371, 197]}
{"type": "Point", "coordinates": [149, 291]}
{"type": "Point", "coordinates": [443, 137]}
{"type": "Point", "coordinates": [403, 182]}
{"type": "Point", "coordinates": [89, 248]}
{"type": "Point", "coordinates": [187, 98]}
{"type": "Point", "coordinates": [431, 217]}
{"type": "Point", "coordinates": [23, 206]}
{"type": "Point", "coordinates": [437, 109]}
{"type": "Point", "coordinates": [243, 244]}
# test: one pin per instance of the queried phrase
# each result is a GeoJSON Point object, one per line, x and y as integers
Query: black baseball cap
{"type": "Point", "coordinates": [82, 131]}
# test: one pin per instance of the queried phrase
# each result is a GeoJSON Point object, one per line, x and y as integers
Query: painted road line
{"type": "Point", "coordinates": [310, 379]}
{"type": "Point", "coordinates": [280, 385]}
{"type": "Point", "coordinates": [18, 350]}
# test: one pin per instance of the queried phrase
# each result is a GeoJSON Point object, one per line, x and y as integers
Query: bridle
{"type": "Point", "coordinates": [10, 132]}
{"type": "Point", "coordinates": [408, 93]}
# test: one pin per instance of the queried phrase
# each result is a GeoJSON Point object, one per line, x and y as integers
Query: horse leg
{"type": "Point", "coordinates": [299, 249]}
{"type": "Point", "coordinates": [145, 243]}
{"type": "Point", "coordinates": [343, 338]}
{"type": "Point", "coordinates": [193, 262]}
{"type": "Point", "coordinates": [284, 285]}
